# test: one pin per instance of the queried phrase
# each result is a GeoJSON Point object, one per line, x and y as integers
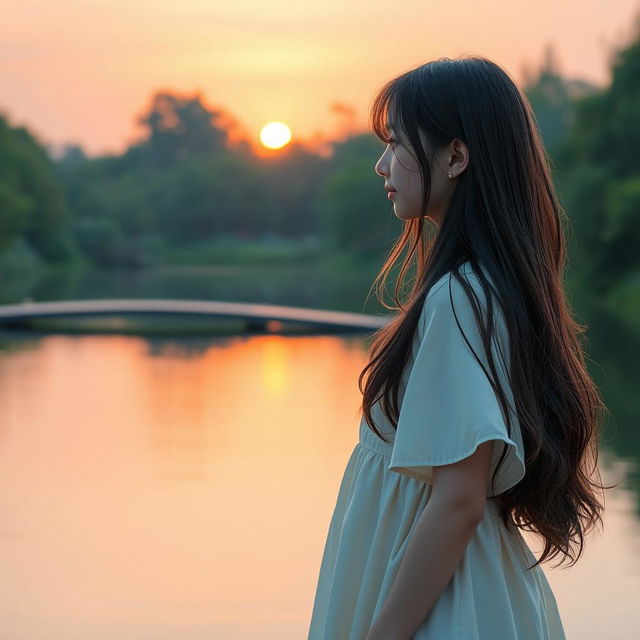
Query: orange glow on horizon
{"type": "Point", "coordinates": [78, 72]}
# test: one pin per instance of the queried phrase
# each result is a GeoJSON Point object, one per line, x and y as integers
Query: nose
{"type": "Point", "coordinates": [378, 168]}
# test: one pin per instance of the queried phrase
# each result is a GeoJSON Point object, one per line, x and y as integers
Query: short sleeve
{"type": "Point", "coordinates": [449, 406]}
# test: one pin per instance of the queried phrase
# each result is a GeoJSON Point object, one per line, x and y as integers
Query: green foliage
{"type": "Point", "coordinates": [549, 96]}
{"type": "Point", "coordinates": [16, 210]}
{"type": "Point", "coordinates": [600, 185]}
{"type": "Point", "coordinates": [202, 198]}
{"type": "Point", "coordinates": [622, 205]}
{"type": "Point", "coordinates": [17, 259]}
{"type": "Point", "coordinates": [31, 198]}
{"type": "Point", "coordinates": [353, 199]}
{"type": "Point", "coordinates": [101, 239]}
{"type": "Point", "coordinates": [620, 235]}
{"type": "Point", "coordinates": [583, 187]}
{"type": "Point", "coordinates": [624, 301]}
{"type": "Point", "coordinates": [553, 99]}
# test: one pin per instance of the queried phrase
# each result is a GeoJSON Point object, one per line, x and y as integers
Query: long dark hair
{"type": "Point", "coordinates": [505, 216]}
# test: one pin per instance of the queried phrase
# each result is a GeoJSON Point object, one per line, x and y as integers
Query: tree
{"type": "Point", "coordinates": [178, 127]}
{"type": "Point", "coordinates": [31, 198]}
{"type": "Point", "coordinates": [553, 98]}
{"type": "Point", "coordinates": [600, 184]}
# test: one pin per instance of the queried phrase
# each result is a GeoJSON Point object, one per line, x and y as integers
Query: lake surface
{"type": "Point", "coordinates": [182, 488]}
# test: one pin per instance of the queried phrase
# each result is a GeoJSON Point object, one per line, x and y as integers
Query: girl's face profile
{"type": "Point", "coordinates": [400, 169]}
{"type": "Point", "coordinates": [399, 166]}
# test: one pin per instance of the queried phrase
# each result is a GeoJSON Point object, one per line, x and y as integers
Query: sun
{"type": "Point", "coordinates": [274, 135]}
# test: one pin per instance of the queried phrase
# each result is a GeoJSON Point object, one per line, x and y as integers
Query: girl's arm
{"type": "Point", "coordinates": [445, 526]}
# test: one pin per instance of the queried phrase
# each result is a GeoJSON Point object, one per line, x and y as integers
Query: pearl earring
{"type": "Point", "coordinates": [450, 174]}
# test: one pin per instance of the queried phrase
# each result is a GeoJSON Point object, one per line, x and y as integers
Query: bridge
{"type": "Point", "coordinates": [257, 317]}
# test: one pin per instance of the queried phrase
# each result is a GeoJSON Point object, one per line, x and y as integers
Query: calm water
{"type": "Point", "coordinates": [182, 489]}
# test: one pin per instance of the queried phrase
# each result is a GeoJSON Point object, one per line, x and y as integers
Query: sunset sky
{"type": "Point", "coordinates": [79, 71]}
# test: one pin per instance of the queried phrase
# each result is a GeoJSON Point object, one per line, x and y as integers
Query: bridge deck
{"type": "Point", "coordinates": [255, 313]}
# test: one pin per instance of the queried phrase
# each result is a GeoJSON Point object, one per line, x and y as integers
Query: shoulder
{"type": "Point", "coordinates": [454, 290]}
{"type": "Point", "coordinates": [461, 301]}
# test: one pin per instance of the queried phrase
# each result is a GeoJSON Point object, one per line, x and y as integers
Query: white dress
{"type": "Point", "coordinates": [447, 408]}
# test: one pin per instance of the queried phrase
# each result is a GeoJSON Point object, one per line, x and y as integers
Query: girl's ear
{"type": "Point", "coordinates": [458, 156]}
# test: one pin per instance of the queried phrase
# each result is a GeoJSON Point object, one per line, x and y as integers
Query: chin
{"type": "Point", "coordinates": [407, 216]}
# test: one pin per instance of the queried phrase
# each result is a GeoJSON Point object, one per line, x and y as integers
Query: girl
{"type": "Point", "coordinates": [479, 416]}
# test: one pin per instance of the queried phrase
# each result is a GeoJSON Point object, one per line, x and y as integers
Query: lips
{"type": "Point", "coordinates": [389, 189]}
